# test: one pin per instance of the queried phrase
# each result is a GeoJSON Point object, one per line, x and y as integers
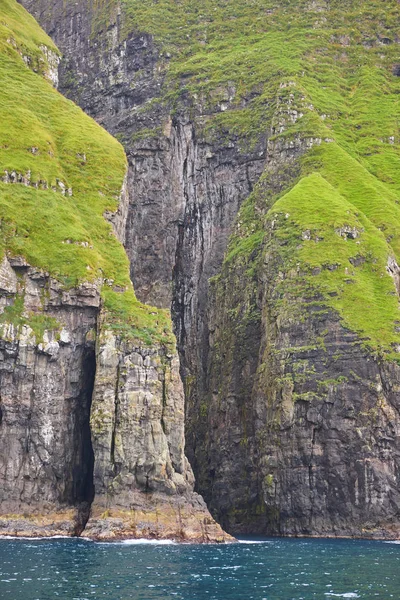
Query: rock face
{"type": "Point", "coordinates": [287, 323]}
{"type": "Point", "coordinates": [329, 459]}
{"type": "Point", "coordinates": [46, 393]}
{"type": "Point", "coordinates": [75, 419]}
{"type": "Point", "coordinates": [309, 428]}
{"type": "Point", "coordinates": [91, 404]}
{"type": "Point", "coordinates": [143, 481]}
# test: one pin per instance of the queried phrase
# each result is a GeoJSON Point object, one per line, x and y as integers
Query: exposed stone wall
{"type": "Point", "coordinates": [185, 188]}
{"type": "Point", "coordinates": [79, 416]}
{"type": "Point", "coordinates": [299, 429]}
{"type": "Point", "coordinates": [143, 481]}
{"type": "Point", "coordinates": [46, 382]}
{"type": "Point", "coordinates": [286, 434]}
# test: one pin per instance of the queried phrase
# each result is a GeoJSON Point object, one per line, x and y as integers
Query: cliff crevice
{"type": "Point", "coordinates": [262, 143]}
{"type": "Point", "coordinates": [92, 431]}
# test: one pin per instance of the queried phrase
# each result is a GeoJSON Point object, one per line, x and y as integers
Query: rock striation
{"type": "Point", "coordinates": [79, 415]}
{"type": "Point", "coordinates": [263, 208]}
{"type": "Point", "coordinates": [46, 392]}
{"type": "Point", "coordinates": [143, 481]}
{"type": "Point", "coordinates": [91, 403]}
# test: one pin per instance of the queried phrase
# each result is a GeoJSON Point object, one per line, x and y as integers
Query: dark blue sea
{"type": "Point", "coordinates": [276, 569]}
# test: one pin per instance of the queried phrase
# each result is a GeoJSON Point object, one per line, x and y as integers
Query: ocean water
{"type": "Point", "coordinates": [275, 569]}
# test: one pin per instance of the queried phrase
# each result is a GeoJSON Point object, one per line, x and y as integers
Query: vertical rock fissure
{"type": "Point", "coordinates": [83, 476]}
{"type": "Point", "coordinates": [310, 466]}
{"type": "Point", "coordinates": [164, 400]}
{"type": "Point", "coordinates": [311, 475]}
{"type": "Point", "coordinates": [115, 421]}
{"type": "Point", "coordinates": [178, 298]}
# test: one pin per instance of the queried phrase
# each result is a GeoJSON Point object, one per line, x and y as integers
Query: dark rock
{"type": "Point", "coordinates": [292, 424]}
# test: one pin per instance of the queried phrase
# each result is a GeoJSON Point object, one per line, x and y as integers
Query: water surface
{"type": "Point", "coordinates": [277, 569]}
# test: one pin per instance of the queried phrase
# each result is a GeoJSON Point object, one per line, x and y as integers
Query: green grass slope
{"type": "Point", "coordinates": [73, 172]}
{"type": "Point", "coordinates": [326, 71]}
{"type": "Point", "coordinates": [335, 250]}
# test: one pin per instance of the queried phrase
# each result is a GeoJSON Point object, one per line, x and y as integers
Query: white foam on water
{"type": "Point", "coordinates": [86, 539]}
{"type": "Point", "coordinates": [392, 542]}
{"type": "Point", "coordinates": [254, 541]}
{"type": "Point", "coordinates": [227, 568]}
{"type": "Point", "coordinates": [346, 595]}
{"type": "Point", "coordinates": [136, 542]}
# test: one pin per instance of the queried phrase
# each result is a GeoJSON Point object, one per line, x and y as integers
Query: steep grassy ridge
{"type": "Point", "coordinates": [322, 71]}
{"type": "Point", "coordinates": [59, 173]}
{"type": "Point", "coordinates": [340, 52]}
{"type": "Point", "coordinates": [342, 256]}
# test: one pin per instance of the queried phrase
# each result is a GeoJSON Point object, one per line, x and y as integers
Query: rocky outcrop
{"type": "Point", "coordinates": [143, 481]}
{"type": "Point", "coordinates": [291, 404]}
{"type": "Point", "coordinates": [298, 432]}
{"type": "Point", "coordinates": [46, 379]}
{"type": "Point", "coordinates": [86, 421]}
{"type": "Point", "coordinates": [327, 429]}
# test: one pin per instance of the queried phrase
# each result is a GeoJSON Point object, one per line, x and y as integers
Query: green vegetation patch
{"type": "Point", "coordinates": [15, 315]}
{"type": "Point", "coordinates": [59, 173]}
{"type": "Point", "coordinates": [231, 56]}
{"type": "Point", "coordinates": [337, 252]}
{"type": "Point", "coordinates": [22, 33]}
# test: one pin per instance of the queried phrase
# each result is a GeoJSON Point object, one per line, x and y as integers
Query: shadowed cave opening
{"type": "Point", "coordinates": [82, 488]}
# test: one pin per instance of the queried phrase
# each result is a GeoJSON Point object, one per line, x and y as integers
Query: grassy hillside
{"type": "Point", "coordinates": [326, 71]}
{"type": "Point", "coordinates": [341, 53]}
{"type": "Point", "coordinates": [59, 173]}
{"type": "Point", "coordinates": [322, 71]}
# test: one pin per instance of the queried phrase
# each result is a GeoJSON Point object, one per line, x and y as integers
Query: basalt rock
{"type": "Point", "coordinates": [46, 393]}
{"type": "Point", "coordinates": [143, 481]}
{"type": "Point", "coordinates": [79, 415]}
{"type": "Point", "coordinates": [91, 403]}
{"type": "Point", "coordinates": [309, 427]}
{"type": "Point", "coordinates": [287, 324]}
